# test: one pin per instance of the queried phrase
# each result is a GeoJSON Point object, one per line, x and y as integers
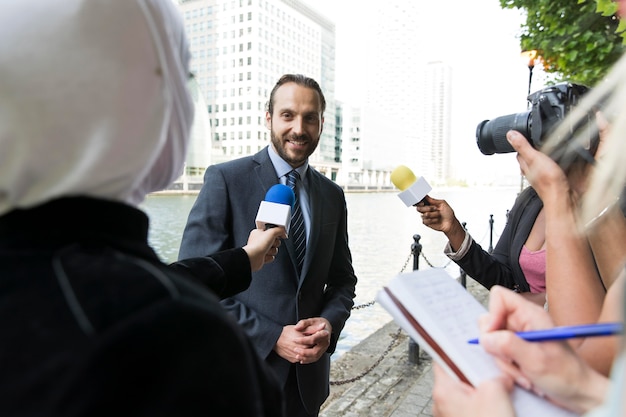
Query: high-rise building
{"type": "Point", "coordinates": [407, 111]}
{"type": "Point", "coordinates": [351, 154]}
{"type": "Point", "coordinates": [240, 49]}
{"type": "Point", "coordinates": [391, 119]}
{"type": "Point", "coordinates": [434, 150]}
{"type": "Point", "coordinates": [201, 150]}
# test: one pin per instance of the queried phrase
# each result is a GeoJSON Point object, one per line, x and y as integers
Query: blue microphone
{"type": "Point", "coordinates": [275, 210]}
{"type": "Point", "coordinates": [281, 194]}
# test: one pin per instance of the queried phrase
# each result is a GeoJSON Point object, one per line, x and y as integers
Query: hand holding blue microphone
{"type": "Point", "coordinates": [272, 222]}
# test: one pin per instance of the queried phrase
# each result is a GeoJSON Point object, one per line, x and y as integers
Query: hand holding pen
{"type": "Point", "coordinates": [568, 332]}
{"type": "Point", "coordinates": [553, 370]}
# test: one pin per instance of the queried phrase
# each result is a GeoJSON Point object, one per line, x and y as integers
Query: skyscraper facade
{"type": "Point", "coordinates": [434, 152]}
{"type": "Point", "coordinates": [407, 113]}
{"type": "Point", "coordinates": [352, 156]}
{"type": "Point", "coordinates": [391, 119]}
{"type": "Point", "coordinates": [239, 50]}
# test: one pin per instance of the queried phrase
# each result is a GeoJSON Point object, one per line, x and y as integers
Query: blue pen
{"type": "Point", "coordinates": [568, 332]}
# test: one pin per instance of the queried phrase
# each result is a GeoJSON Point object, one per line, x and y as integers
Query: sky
{"type": "Point", "coordinates": [480, 42]}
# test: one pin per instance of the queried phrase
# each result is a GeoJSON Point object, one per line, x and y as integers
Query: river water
{"type": "Point", "coordinates": [381, 230]}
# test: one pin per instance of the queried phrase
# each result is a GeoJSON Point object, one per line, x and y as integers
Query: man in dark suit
{"type": "Point", "coordinates": [293, 311]}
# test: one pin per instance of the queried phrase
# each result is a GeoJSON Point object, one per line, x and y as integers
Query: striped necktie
{"type": "Point", "coordinates": [297, 230]}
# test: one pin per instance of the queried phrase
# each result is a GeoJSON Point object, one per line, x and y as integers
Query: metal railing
{"type": "Point", "coordinates": [413, 347]}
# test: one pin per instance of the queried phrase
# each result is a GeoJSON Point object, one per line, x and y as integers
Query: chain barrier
{"type": "Point", "coordinates": [371, 303]}
{"type": "Point", "coordinates": [395, 339]}
{"type": "Point", "coordinates": [431, 265]}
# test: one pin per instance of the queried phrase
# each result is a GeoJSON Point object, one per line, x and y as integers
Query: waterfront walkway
{"type": "Point", "coordinates": [395, 387]}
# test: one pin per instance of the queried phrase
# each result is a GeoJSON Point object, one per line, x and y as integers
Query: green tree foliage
{"type": "Point", "coordinates": [577, 40]}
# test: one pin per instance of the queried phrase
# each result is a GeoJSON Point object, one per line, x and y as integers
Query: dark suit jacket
{"type": "Point", "coordinates": [93, 324]}
{"type": "Point", "coordinates": [223, 216]}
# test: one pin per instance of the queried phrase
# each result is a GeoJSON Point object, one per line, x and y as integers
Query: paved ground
{"type": "Point", "coordinates": [377, 379]}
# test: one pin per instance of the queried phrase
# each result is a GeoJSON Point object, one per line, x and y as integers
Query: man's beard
{"type": "Point", "coordinates": [277, 143]}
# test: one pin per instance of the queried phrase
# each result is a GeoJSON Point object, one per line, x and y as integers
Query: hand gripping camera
{"type": "Point", "coordinates": [547, 107]}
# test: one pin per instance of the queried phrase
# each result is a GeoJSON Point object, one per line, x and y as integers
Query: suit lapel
{"type": "Point", "coordinates": [266, 175]}
{"type": "Point", "coordinates": [265, 172]}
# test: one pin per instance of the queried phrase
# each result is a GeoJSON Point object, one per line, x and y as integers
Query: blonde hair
{"type": "Point", "coordinates": [608, 177]}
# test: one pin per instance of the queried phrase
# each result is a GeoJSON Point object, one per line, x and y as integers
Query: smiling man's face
{"type": "Point", "coordinates": [296, 123]}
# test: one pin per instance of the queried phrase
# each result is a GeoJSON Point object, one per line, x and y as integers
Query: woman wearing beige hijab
{"type": "Point", "coordinates": [95, 114]}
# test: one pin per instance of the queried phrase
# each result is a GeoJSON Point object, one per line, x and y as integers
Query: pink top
{"type": "Point", "coordinates": [533, 266]}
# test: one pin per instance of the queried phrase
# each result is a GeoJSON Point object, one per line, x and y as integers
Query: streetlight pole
{"type": "Point", "coordinates": [530, 56]}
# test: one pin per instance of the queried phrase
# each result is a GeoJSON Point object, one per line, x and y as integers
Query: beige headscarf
{"type": "Point", "coordinates": [93, 99]}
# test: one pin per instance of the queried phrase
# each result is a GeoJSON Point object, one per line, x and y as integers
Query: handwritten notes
{"type": "Point", "coordinates": [441, 316]}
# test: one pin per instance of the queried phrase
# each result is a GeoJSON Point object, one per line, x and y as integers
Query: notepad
{"type": "Point", "coordinates": [441, 315]}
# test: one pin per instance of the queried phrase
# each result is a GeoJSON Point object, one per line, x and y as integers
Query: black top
{"type": "Point", "coordinates": [93, 324]}
{"type": "Point", "coordinates": [501, 267]}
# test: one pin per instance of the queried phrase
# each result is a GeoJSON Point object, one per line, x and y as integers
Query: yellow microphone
{"type": "Point", "coordinates": [413, 189]}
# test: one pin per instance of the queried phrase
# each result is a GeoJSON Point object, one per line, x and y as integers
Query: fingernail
{"type": "Point", "coordinates": [511, 135]}
{"type": "Point", "coordinates": [486, 340]}
{"type": "Point", "coordinates": [484, 322]}
{"type": "Point", "coordinates": [523, 382]}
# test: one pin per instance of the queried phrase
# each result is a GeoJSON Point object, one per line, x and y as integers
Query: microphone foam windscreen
{"type": "Point", "coordinates": [402, 177]}
{"type": "Point", "coordinates": [281, 194]}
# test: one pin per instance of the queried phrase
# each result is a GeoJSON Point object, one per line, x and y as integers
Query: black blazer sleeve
{"type": "Point", "coordinates": [501, 267]}
{"type": "Point", "coordinates": [226, 273]}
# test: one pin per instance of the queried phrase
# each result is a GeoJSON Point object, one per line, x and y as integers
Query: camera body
{"type": "Point", "coordinates": [548, 106]}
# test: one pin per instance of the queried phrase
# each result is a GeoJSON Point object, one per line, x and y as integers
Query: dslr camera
{"type": "Point", "coordinates": [547, 107]}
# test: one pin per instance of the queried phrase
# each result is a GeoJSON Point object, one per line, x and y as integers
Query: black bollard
{"type": "Point", "coordinates": [490, 233]}
{"type": "Point", "coordinates": [416, 250]}
{"type": "Point", "coordinates": [462, 273]}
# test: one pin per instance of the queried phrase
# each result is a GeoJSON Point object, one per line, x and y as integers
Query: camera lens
{"type": "Point", "coordinates": [491, 134]}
